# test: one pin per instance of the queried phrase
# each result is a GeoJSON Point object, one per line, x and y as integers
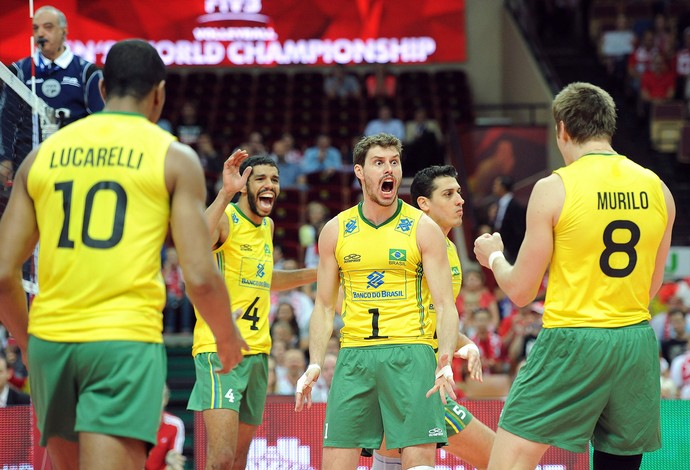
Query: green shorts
{"type": "Point", "coordinates": [379, 389]}
{"type": "Point", "coordinates": [243, 389]}
{"type": "Point", "coordinates": [457, 417]}
{"type": "Point", "coordinates": [104, 387]}
{"type": "Point", "coordinates": [582, 384]}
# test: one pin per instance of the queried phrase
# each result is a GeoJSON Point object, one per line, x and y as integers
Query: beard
{"type": "Point", "coordinates": [254, 206]}
{"type": "Point", "coordinates": [372, 187]}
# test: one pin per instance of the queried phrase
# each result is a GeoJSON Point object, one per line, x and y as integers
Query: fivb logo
{"type": "Point", "coordinates": [223, 10]}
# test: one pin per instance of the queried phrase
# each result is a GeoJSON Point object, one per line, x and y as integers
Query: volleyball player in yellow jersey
{"type": "Point", "coordinates": [435, 190]}
{"type": "Point", "coordinates": [387, 375]}
{"type": "Point", "coordinates": [602, 225]}
{"type": "Point", "coordinates": [100, 194]}
{"type": "Point", "coordinates": [242, 235]}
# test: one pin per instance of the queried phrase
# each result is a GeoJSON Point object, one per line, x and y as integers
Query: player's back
{"type": "Point", "coordinates": [605, 243]}
{"type": "Point", "coordinates": [102, 208]}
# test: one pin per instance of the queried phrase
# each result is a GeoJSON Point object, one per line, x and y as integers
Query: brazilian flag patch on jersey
{"type": "Point", "coordinates": [396, 254]}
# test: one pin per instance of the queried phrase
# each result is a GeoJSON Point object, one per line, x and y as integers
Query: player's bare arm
{"type": "Point", "coordinates": [232, 183]}
{"type": "Point", "coordinates": [432, 245]}
{"type": "Point", "coordinates": [205, 286]}
{"type": "Point", "coordinates": [664, 246]}
{"type": "Point", "coordinates": [521, 281]}
{"type": "Point", "coordinates": [18, 237]}
{"type": "Point", "coordinates": [289, 279]}
{"type": "Point", "coordinates": [321, 322]}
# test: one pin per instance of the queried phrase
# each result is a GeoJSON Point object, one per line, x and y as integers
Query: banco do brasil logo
{"type": "Point", "coordinates": [375, 279]}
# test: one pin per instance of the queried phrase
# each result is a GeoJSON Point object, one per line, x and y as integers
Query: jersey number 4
{"type": "Point", "coordinates": [251, 314]}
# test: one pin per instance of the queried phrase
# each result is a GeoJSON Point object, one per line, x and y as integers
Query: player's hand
{"type": "Point", "coordinates": [232, 180]}
{"type": "Point", "coordinates": [444, 383]}
{"type": "Point", "coordinates": [304, 386]}
{"type": "Point", "coordinates": [174, 460]}
{"type": "Point", "coordinates": [229, 351]}
{"type": "Point", "coordinates": [474, 362]}
{"type": "Point", "coordinates": [486, 244]}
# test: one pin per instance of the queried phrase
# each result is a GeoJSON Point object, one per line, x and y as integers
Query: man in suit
{"type": "Point", "coordinates": [8, 395]}
{"type": "Point", "coordinates": [510, 216]}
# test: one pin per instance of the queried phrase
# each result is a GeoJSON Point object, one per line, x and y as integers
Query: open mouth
{"type": "Point", "coordinates": [387, 185]}
{"type": "Point", "coordinates": [266, 200]}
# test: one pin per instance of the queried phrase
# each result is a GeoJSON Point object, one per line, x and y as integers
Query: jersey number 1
{"type": "Point", "coordinates": [375, 324]}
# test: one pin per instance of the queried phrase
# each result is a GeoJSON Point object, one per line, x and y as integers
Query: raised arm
{"type": "Point", "coordinates": [321, 322]}
{"type": "Point", "coordinates": [232, 183]}
{"type": "Point", "coordinates": [204, 284]}
{"type": "Point", "coordinates": [18, 237]}
{"type": "Point", "coordinates": [521, 281]}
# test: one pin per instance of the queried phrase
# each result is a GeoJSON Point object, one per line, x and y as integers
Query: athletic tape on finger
{"type": "Point", "coordinates": [446, 372]}
{"type": "Point", "coordinates": [302, 382]}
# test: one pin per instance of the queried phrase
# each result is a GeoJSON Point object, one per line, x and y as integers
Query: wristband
{"type": "Point", "coordinates": [493, 256]}
{"type": "Point", "coordinates": [445, 372]}
{"type": "Point", "coordinates": [462, 352]}
{"type": "Point", "coordinates": [312, 366]}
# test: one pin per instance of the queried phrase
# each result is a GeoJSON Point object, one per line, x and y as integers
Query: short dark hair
{"type": "Point", "coordinates": [506, 182]}
{"type": "Point", "coordinates": [424, 182]}
{"type": "Point", "coordinates": [359, 154]}
{"type": "Point", "coordinates": [132, 68]}
{"type": "Point", "coordinates": [256, 160]}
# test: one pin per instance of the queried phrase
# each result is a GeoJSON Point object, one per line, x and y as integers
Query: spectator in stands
{"type": "Point", "coordinates": [294, 155]}
{"type": "Point", "coordinates": [295, 365]}
{"type": "Point", "coordinates": [639, 61]}
{"type": "Point", "coordinates": [167, 453]}
{"type": "Point", "coordinates": [488, 342]}
{"type": "Point", "coordinates": [661, 322]}
{"type": "Point", "coordinates": [189, 126]}
{"type": "Point", "coordinates": [301, 303]}
{"type": "Point", "coordinates": [524, 333]}
{"type": "Point", "coordinates": [178, 308]}
{"type": "Point", "coordinates": [615, 47]}
{"type": "Point", "coordinates": [658, 85]}
{"type": "Point", "coordinates": [286, 313]}
{"type": "Point", "coordinates": [683, 69]}
{"type": "Point", "coordinates": [211, 162]}
{"type": "Point", "coordinates": [290, 172]}
{"type": "Point", "coordinates": [65, 81]}
{"type": "Point", "coordinates": [319, 393]}
{"type": "Point", "coordinates": [272, 381]}
{"type": "Point", "coordinates": [317, 216]}
{"type": "Point", "coordinates": [255, 144]}
{"type": "Point", "coordinates": [423, 140]}
{"type": "Point", "coordinates": [18, 371]}
{"type": "Point", "coordinates": [511, 216]}
{"type": "Point", "coordinates": [380, 83]}
{"type": "Point", "coordinates": [676, 345]}
{"type": "Point", "coordinates": [9, 396]}
{"type": "Point", "coordinates": [680, 374]}
{"type": "Point", "coordinates": [322, 158]}
{"type": "Point", "coordinates": [475, 295]}
{"type": "Point", "coordinates": [664, 37]}
{"type": "Point", "coordinates": [278, 349]}
{"type": "Point", "coordinates": [385, 123]}
{"type": "Point", "coordinates": [340, 84]}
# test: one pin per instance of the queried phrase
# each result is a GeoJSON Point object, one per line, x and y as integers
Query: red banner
{"type": "Point", "coordinates": [256, 32]}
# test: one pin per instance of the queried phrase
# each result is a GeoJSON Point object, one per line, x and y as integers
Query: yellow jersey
{"type": "Point", "coordinates": [246, 261]}
{"type": "Point", "coordinates": [381, 275]}
{"type": "Point", "coordinates": [605, 244]}
{"type": "Point", "coordinates": [103, 209]}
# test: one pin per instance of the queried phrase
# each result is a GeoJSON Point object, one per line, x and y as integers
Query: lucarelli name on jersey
{"type": "Point", "coordinates": [622, 200]}
{"type": "Point", "coordinates": [96, 157]}
{"type": "Point", "coordinates": [384, 294]}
